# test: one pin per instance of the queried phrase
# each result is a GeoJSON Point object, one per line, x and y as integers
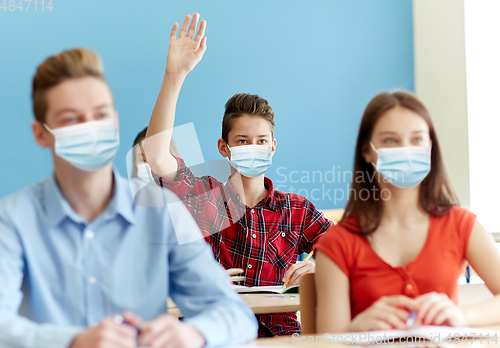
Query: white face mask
{"type": "Point", "coordinates": [250, 160]}
{"type": "Point", "coordinates": [89, 145]}
{"type": "Point", "coordinates": [404, 167]}
{"type": "Point", "coordinates": [144, 173]}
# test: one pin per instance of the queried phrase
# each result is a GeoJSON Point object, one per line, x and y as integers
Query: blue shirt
{"type": "Point", "coordinates": [60, 274]}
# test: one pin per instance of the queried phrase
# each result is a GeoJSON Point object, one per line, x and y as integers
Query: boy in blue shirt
{"type": "Point", "coordinates": [75, 249]}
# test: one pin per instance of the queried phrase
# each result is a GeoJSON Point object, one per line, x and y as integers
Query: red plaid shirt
{"type": "Point", "coordinates": [264, 240]}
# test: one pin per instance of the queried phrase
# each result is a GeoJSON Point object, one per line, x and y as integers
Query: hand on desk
{"type": "Point", "coordinates": [387, 313]}
{"type": "Point", "coordinates": [168, 332]}
{"type": "Point", "coordinates": [163, 332]}
{"type": "Point", "coordinates": [438, 309]}
{"type": "Point", "coordinates": [392, 312]}
{"type": "Point", "coordinates": [296, 270]}
{"type": "Point", "coordinates": [106, 334]}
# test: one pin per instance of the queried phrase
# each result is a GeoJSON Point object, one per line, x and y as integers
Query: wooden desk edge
{"type": "Point", "coordinates": [292, 305]}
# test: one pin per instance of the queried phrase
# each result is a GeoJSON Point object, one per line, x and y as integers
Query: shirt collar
{"type": "Point", "coordinates": [57, 208]}
{"type": "Point", "coordinates": [122, 202]}
{"type": "Point", "coordinates": [54, 207]}
{"type": "Point", "coordinates": [269, 200]}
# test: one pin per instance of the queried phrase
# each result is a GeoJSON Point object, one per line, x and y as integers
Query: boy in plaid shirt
{"type": "Point", "coordinates": [248, 224]}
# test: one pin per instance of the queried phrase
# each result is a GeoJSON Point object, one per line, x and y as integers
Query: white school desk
{"type": "Point", "coordinates": [259, 303]}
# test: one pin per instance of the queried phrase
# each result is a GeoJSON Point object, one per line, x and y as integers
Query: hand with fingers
{"type": "Point", "coordinates": [387, 313]}
{"type": "Point", "coordinates": [187, 50]}
{"type": "Point", "coordinates": [438, 309]}
{"type": "Point", "coordinates": [168, 332]}
{"type": "Point", "coordinates": [295, 271]}
{"type": "Point", "coordinates": [106, 334]}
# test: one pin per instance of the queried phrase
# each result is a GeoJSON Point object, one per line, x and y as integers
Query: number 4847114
{"type": "Point", "coordinates": [471, 337]}
{"type": "Point", "coordinates": [12, 5]}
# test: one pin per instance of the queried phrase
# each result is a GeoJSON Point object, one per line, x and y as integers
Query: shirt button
{"type": "Point", "coordinates": [252, 211]}
{"type": "Point", "coordinates": [92, 280]}
{"type": "Point", "coordinates": [282, 234]}
{"type": "Point", "coordinates": [89, 234]}
{"type": "Point", "coordinates": [249, 266]}
{"type": "Point", "coordinates": [254, 236]}
{"type": "Point", "coordinates": [409, 287]}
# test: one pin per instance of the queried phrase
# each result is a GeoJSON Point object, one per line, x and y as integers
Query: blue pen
{"type": "Point", "coordinates": [411, 319]}
{"type": "Point", "coordinates": [120, 320]}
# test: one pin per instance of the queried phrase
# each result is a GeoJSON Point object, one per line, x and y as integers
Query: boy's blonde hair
{"type": "Point", "coordinates": [66, 65]}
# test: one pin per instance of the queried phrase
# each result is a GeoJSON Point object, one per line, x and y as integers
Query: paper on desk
{"type": "Point", "coordinates": [276, 289]}
{"type": "Point", "coordinates": [255, 345]}
{"type": "Point", "coordinates": [435, 334]}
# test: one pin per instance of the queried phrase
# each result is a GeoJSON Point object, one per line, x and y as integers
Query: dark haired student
{"type": "Point", "coordinates": [402, 249]}
{"type": "Point", "coordinates": [248, 224]}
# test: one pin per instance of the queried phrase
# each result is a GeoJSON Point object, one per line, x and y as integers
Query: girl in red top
{"type": "Point", "coordinates": [403, 242]}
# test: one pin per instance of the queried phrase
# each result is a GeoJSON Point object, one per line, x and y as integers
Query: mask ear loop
{"type": "Point", "coordinates": [227, 145]}
{"type": "Point", "coordinates": [48, 129]}
{"type": "Point", "coordinates": [374, 149]}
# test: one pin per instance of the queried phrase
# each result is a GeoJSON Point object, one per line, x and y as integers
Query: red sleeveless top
{"type": "Point", "coordinates": [436, 268]}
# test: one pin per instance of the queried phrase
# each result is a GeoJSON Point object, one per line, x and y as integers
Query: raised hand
{"type": "Point", "coordinates": [183, 55]}
{"type": "Point", "coordinates": [187, 50]}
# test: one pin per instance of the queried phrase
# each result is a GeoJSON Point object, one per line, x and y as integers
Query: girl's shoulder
{"type": "Point", "coordinates": [456, 217]}
{"type": "Point", "coordinates": [345, 233]}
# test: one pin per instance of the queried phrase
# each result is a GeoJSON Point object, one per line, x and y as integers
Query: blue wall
{"type": "Point", "coordinates": [317, 62]}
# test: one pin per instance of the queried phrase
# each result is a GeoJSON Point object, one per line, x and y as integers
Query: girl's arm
{"type": "Point", "coordinates": [332, 291]}
{"type": "Point", "coordinates": [334, 306]}
{"type": "Point", "coordinates": [485, 259]}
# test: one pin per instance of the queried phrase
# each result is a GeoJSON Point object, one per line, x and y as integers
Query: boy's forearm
{"type": "Point", "coordinates": [157, 148]}
{"type": "Point", "coordinates": [163, 115]}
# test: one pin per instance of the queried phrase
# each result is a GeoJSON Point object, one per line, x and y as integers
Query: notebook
{"type": "Point", "coordinates": [279, 289]}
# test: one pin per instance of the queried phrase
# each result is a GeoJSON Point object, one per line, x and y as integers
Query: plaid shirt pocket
{"type": "Point", "coordinates": [282, 248]}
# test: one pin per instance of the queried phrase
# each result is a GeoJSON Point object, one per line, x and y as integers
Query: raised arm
{"type": "Point", "coordinates": [183, 55]}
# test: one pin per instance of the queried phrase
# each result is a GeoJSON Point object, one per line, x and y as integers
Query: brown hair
{"type": "Point", "coordinates": [66, 65]}
{"type": "Point", "coordinates": [249, 104]}
{"type": "Point", "coordinates": [436, 195]}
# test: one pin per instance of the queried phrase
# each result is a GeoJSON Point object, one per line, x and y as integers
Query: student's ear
{"type": "Point", "coordinates": [369, 154]}
{"type": "Point", "coordinates": [222, 146]}
{"type": "Point", "coordinates": [273, 147]}
{"type": "Point", "coordinates": [42, 136]}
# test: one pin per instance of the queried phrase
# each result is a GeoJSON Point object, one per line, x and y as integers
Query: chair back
{"type": "Point", "coordinates": [307, 304]}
